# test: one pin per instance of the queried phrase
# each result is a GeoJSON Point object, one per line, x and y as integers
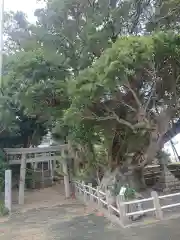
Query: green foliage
{"type": "Point", "coordinates": [130, 193]}
{"type": "Point", "coordinates": [3, 210]}
{"type": "Point", "coordinates": [67, 38]}
{"type": "Point", "coordinates": [19, 127]}
{"type": "Point", "coordinates": [115, 188]}
{"type": "Point", "coordinates": [128, 57]}
{"type": "Point", "coordinates": [25, 131]}
{"type": "Point", "coordinates": [165, 16]}
{"type": "Point", "coordinates": [131, 61]}
{"type": "Point", "coordinates": [69, 73]}
{"type": "Point", "coordinates": [3, 167]}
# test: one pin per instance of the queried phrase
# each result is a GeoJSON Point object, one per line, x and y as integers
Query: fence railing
{"type": "Point", "coordinates": [121, 211]}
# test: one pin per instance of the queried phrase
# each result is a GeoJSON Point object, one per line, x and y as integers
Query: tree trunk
{"type": "Point", "coordinates": [162, 181]}
{"type": "Point", "coordinates": [133, 173]}
{"type": "Point", "coordinates": [136, 180]}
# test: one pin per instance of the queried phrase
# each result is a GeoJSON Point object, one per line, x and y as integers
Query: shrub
{"type": "Point", "coordinates": [3, 167]}
{"type": "Point", "coordinates": [3, 210]}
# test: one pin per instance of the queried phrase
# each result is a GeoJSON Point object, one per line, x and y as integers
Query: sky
{"type": "Point", "coordinates": [29, 7]}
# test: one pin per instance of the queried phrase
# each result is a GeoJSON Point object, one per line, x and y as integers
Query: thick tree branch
{"type": "Point", "coordinates": [119, 98]}
{"type": "Point", "coordinates": [153, 88]}
{"type": "Point", "coordinates": [119, 120]}
{"type": "Point", "coordinates": [113, 117]}
{"type": "Point", "coordinates": [157, 136]}
{"type": "Point", "coordinates": [169, 14]}
{"type": "Point", "coordinates": [134, 95]}
{"type": "Point", "coordinates": [127, 105]}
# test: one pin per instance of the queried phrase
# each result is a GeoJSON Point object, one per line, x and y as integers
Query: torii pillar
{"type": "Point", "coordinates": [66, 176]}
{"type": "Point", "coordinates": [22, 178]}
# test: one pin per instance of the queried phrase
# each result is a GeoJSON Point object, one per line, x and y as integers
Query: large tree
{"type": "Point", "coordinates": [45, 64]}
{"type": "Point", "coordinates": [67, 38]}
{"type": "Point", "coordinates": [132, 93]}
{"type": "Point", "coordinates": [18, 129]}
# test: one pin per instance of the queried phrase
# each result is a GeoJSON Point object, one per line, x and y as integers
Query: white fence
{"type": "Point", "coordinates": [121, 211]}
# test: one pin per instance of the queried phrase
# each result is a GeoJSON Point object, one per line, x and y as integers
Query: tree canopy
{"type": "Point", "coordinates": [99, 74]}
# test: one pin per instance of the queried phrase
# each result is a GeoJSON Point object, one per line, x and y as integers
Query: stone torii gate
{"type": "Point", "coordinates": [33, 156]}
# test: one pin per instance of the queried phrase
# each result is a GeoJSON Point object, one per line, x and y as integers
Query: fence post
{"type": "Point", "coordinates": [84, 189]}
{"type": "Point", "coordinates": [122, 209]}
{"type": "Point", "coordinates": [78, 185]}
{"type": "Point", "coordinates": [157, 206]}
{"type": "Point", "coordinates": [108, 202]}
{"type": "Point", "coordinates": [66, 177]}
{"type": "Point", "coordinates": [8, 189]}
{"type": "Point", "coordinates": [90, 192]}
{"type": "Point", "coordinates": [99, 196]}
{"type": "Point", "coordinates": [51, 171]}
{"type": "Point", "coordinates": [80, 189]}
{"type": "Point", "coordinates": [75, 189]}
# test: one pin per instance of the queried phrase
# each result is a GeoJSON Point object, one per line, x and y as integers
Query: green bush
{"type": "Point", "coordinates": [3, 167]}
{"type": "Point", "coordinates": [3, 210]}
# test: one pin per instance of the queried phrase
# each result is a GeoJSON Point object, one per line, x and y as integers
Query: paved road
{"type": "Point", "coordinates": [74, 222]}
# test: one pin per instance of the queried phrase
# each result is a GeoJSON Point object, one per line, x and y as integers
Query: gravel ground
{"type": "Point", "coordinates": [74, 222]}
{"type": "Point", "coordinates": [48, 216]}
